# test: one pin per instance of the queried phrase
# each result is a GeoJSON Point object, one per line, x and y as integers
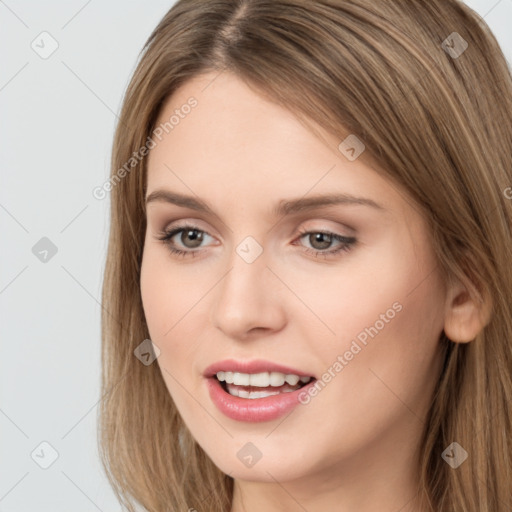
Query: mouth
{"type": "Point", "coordinates": [260, 385]}
{"type": "Point", "coordinates": [257, 397]}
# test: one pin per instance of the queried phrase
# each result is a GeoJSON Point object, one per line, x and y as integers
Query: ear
{"type": "Point", "coordinates": [466, 312]}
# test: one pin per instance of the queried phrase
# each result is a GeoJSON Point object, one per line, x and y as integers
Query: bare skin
{"type": "Point", "coordinates": [354, 445]}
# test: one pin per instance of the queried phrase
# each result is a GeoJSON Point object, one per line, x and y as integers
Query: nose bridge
{"type": "Point", "coordinates": [248, 296]}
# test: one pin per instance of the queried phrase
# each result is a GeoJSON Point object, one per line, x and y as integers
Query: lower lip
{"type": "Point", "coordinates": [257, 409]}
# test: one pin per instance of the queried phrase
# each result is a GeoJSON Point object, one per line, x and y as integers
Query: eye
{"type": "Point", "coordinates": [188, 232]}
{"type": "Point", "coordinates": [324, 239]}
{"type": "Point", "coordinates": [192, 237]}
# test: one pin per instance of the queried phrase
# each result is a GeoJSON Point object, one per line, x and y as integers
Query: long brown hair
{"type": "Point", "coordinates": [427, 88]}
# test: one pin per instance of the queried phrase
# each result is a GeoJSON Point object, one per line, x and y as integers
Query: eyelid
{"type": "Point", "coordinates": [339, 228]}
{"type": "Point", "coordinates": [345, 231]}
{"type": "Point", "coordinates": [346, 243]}
{"type": "Point", "coordinates": [189, 222]}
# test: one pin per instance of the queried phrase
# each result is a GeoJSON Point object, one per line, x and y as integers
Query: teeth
{"type": "Point", "coordinates": [228, 377]}
{"type": "Point", "coordinates": [242, 393]}
{"type": "Point", "coordinates": [261, 380]}
{"type": "Point", "coordinates": [292, 379]}
{"type": "Point", "coordinates": [254, 394]}
{"type": "Point", "coordinates": [277, 379]}
{"type": "Point", "coordinates": [242, 379]}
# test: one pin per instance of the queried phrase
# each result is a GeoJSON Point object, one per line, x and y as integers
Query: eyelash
{"type": "Point", "coordinates": [346, 242]}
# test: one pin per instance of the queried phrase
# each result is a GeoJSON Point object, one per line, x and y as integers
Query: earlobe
{"type": "Point", "coordinates": [466, 313]}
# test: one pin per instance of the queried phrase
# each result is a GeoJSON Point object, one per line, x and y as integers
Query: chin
{"type": "Point", "coordinates": [268, 468]}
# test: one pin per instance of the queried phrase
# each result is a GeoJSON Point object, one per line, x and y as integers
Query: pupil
{"type": "Point", "coordinates": [319, 237]}
{"type": "Point", "coordinates": [194, 235]}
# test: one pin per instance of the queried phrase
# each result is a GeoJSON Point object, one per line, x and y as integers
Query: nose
{"type": "Point", "coordinates": [249, 299]}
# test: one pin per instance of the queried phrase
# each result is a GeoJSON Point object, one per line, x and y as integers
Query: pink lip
{"type": "Point", "coordinates": [257, 409]}
{"type": "Point", "coordinates": [255, 366]}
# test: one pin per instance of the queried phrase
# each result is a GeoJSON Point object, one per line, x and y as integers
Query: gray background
{"type": "Point", "coordinates": [57, 121]}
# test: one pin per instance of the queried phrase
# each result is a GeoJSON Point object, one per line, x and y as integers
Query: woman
{"type": "Point", "coordinates": [308, 291]}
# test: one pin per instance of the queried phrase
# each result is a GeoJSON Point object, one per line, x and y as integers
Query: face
{"type": "Point", "coordinates": [347, 293]}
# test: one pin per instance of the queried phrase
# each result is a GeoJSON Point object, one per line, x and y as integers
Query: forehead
{"type": "Point", "coordinates": [233, 140]}
{"type": "Point", "coordinates": [230, 118]}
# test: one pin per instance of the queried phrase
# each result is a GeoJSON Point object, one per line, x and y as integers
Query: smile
{"type": "Point", "coordinates": [256, 397]}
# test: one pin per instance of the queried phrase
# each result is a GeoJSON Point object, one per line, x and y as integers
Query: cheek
{"type": "Point", "coordinates": [155, 295]}
{"type": "Point", "coordinates": [165, 292]}
{"type": "Point", "coordinates": [341, 301]}
{"type": "Point", "coordinates": [165, 301]}
{"type": "Point", "coordinates": [172, 301]}
{"type": "Point", "coordinates": [387, 316]}
{"type": "Point", "coordinates": [380, 310]}
{"type": "Point", "coordinates": [379, 367]}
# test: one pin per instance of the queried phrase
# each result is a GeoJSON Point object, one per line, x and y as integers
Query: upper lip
{"type": "Point", "coordinates": [253, 366]}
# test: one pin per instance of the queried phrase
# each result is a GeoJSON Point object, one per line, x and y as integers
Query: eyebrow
{"type": "Point", "coordinates": [283, 207]}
